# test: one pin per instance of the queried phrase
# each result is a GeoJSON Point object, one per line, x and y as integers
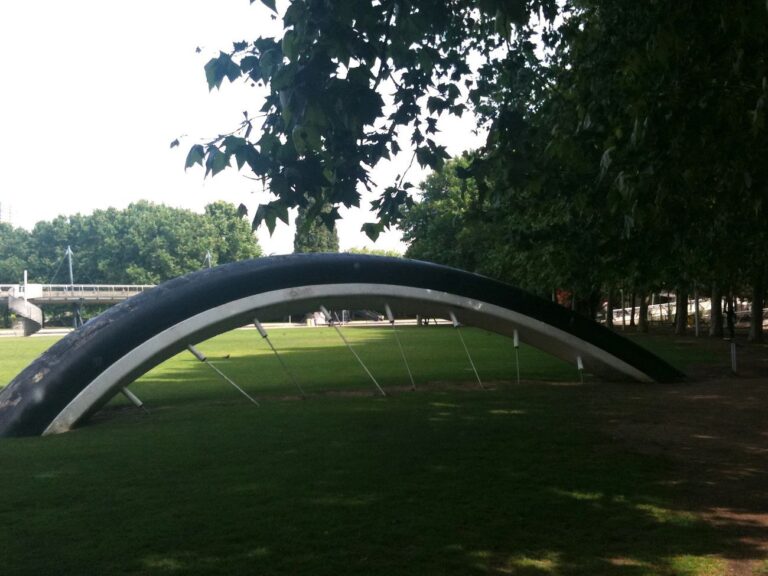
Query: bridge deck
{"type": "Point", "coordinates": [66, 293]}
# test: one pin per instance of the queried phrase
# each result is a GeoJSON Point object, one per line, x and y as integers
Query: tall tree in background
{"type": "Point", "coordinates": [14, 252]}
{"type": "Point", "coordinates": [314, 236]}
{"type": "Point", "coordinates": [441, 227]}
{"type": "Point", "coordinates": [234, 237]}
{"type": "Point", "coordinates": [143, 244]}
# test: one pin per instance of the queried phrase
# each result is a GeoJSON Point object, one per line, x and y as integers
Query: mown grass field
{"type": "Point", "coordinates": [450, 479]}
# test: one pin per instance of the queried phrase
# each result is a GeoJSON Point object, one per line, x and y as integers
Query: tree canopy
{"type": "Point", "coordinates": [345, 83]}
{"type": "Point", "coordinates": [626, 140]}
{"type": "Point", "coordinates": [144, 244]}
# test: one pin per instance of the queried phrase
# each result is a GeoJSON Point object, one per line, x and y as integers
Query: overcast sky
{"type": "Point", "coordinates": [94, 92]}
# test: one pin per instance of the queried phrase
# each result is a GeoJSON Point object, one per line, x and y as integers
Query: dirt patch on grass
{"type": "Point", "coordinates": [713, 430]}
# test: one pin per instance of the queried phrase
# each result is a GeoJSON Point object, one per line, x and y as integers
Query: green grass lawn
{"type": "Point", "coordinates": [446, 480]}
{"type": "Point", "coordinates": [320, 362]}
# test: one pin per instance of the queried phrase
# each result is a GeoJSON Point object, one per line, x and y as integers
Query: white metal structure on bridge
{"type": "Point", "coordinates": [25, 300]}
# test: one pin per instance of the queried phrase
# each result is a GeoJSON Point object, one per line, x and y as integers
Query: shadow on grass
{"type": "Point", "coordinates": [517, 481]}
{"type": "Point", "coordinates": [521, 480]}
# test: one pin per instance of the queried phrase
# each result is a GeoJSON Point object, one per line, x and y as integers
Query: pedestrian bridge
{"type": "Point", "coordinates": [25, 300]}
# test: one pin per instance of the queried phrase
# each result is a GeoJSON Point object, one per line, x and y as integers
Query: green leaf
{"type": "Point", "coordinates": [425, 61]}
{"type": "Point", "coordinates": [216, 161]}
{"type": "Point", "coordinates": [463, 173]}
{"type": "Point", "coordinates": [219, 68]}
{"type": "Point", "coordinates": [298, 137]}
{"type": "Point", "coordinates": [257, 162]}
{"type": "Point", "coordinates": [250, 65]}
{"type": "Point", "coordinates": [425, 157]}
{"type": "Point", "coordinates": [281, 211]}
{"type": "Point", "coordinates": [268, 63]}
{"type": "Point", "coordinates": [269, 213]}
{"type": "Point", "coordinates": [269, 4]}
{"type": "Point", "coordinates": [195, 156]}
{"type": "Point", "coordinates": [328, 218]}
{"type": "Point", "coordinates": [279, 186]}
{"type": "Point", "coordinates": [359, 76]}
{"type": "Point", "coordinates": [269, 143]}
{"type": "Point", "coordinates": [266, 215]}
{"type": "Point", "coordinates": [435, 104]}
{"type": "Point", "coordinates": [232, 143]}
{"type": "Point", "coordinates": [290, 45]}
{"type": "Point", "coordinates": [372, 229]}
{"type": "Point", "coordinates": [175, 143]}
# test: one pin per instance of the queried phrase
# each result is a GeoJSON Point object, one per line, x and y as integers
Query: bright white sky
{"type": "Point", "coordinates": [94, 92]}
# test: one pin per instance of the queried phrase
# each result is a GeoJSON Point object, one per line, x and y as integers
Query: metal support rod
{"type": "Point", "coordinates": [391, 318]}
{"type": "Point", "coordinates": [580, 368]}
{"type": "Point", "coordinates": [200, 356]}
{"type": "Point", "coordinates": [265, 336]}
{"type": "Point", "coordinates": [516, 343]}
{"type": "Point", "coordinates": [77, 320]}
{"type": "Point", "coordinates": [457, 325]}
{"type": "Point", "coordinates": [69, 255]}
{"type": "Point", "coordinates": [77, 313]}
{"type": "Point", "coordinates": [734, 361]}
{"type": "Point", "coordinates": [135, 400]}
{"type": "Point", "coordinates": [328, 319]}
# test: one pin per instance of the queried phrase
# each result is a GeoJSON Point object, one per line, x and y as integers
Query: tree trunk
{"type": "Point", "coordinates": [609, 309]}
{"type": "Point", "coordinates": [623, 310]}
{"type": "Point", "coordinates": [643, 320]}
{"type": "Point", "coordinates": [681, 311]}
{"type": "Point", "coordinates": [758, 302]}
{"type": "Point", "coordinates": [716, 312]}
{"type": "Point", "coordinates": [696, 314]}
{"type": "Point", "coordinates": [669, 309]}
{"type": "Point", "coordinates": [731, 317]}
{"type": "Point", "coordinates": [632, 316]}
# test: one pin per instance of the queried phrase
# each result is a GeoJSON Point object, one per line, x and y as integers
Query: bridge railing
{"type": "Point", "coordinates": [96, 287]}
{"type": "Point", "coordinates": [48, 292]}
{"type": "Point", "coordinates": [75, 291]}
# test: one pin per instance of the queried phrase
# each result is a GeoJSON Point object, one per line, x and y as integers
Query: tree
{"type": "Point", "coordinates": [440, 227]}
{"type": "Point", "coordinates": [631, 154]}
{"type": "Point", "coordinates": [375, 252]}
{"type": "Point", "coordinates": [326, 120]}
{"type": "Point", "coordinates": [683, 132]}
{"type": "Point", "coordinates": [235, 239]}
{"type": "Point", "coordinates": [143, 244]}
{"type": "Point", "coordinates": [314, 236]}
{"type": "Point", "coordinates": [15, 246]}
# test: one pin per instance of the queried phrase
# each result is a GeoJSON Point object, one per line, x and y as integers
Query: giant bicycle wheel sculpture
{"type": "Point", "coordinates": [81, 372]}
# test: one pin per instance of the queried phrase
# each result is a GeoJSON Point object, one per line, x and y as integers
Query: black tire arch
{"type": "Point", "coordinates": [81, 372]}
